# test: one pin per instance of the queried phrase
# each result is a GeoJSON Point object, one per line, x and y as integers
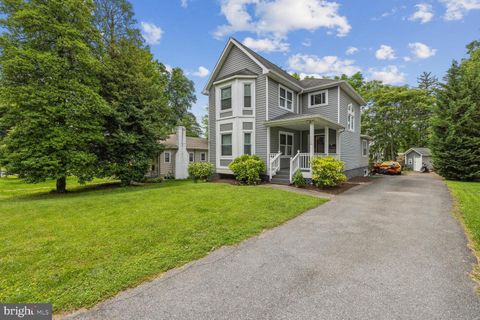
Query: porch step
{"type": "Point", "coordinates": [277, 180]}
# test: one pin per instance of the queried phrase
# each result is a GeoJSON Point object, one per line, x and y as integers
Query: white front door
{"type": "Point", "coordinates": [417, 163]}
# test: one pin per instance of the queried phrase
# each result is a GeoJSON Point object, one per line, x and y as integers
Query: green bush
{"type": "Point", "coordinates": [298, 179]}
{"type": "Point", "coordinates": [248, 168]}
{"type": "Point", "coordinates": [327, 172]}
{"type": "Point", "coordinates": [155, 180]}
{"type": "Point", "coordinates": [200, 171]}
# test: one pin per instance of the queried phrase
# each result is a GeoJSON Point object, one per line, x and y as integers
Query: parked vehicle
{"type": "Point", "coordinates": [387, 167]}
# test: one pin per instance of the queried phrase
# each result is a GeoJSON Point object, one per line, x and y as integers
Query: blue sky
{"type": "Point", "coordinates": [392, 41]}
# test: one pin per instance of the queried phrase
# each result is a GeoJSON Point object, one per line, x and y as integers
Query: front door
{"type": "Point", "coordinates": [286, 148]}
{"type": "Point", "coordinates": [417, 163]}
{"type": "Point", "coordinates": [319, 143]}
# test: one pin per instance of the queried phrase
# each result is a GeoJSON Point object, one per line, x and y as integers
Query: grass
{"type": "Point", "coordinates": [77, 249]}
{"type": "Point", "coordinates": [467, 196]}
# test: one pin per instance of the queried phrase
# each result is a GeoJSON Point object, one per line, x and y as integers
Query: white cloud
{"type": "Point", "coordinates": [388, 75]}
{"type": "Point", "coordinates": [421, 51]}
{"type": "Point", "coordinates": [385, 53]}
{"type": "Point", "coordinates": [151, 33]}
{"type": "Point", "coordinates": [424, 13]}
{"type": "Point", "coordinates": [278, 17]}
{"type": "Point", "coordinates": [202, 72]}
{"type": "Point", "coordinates": [266, 45]}
{"type": "Point", "coordinates": [184, 3]}
{"type": "Point", "coordinates": [307, 43]}
{"type": "Point", "coordinates": [407, 59]}
{"type": "Point", "coordinates": [351, 50]}
{"type": "Point", "coordinates": [457, 9]}
{"type": "Point", "coordinates": [326, 66]}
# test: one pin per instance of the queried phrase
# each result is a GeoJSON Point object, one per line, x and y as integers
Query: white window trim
{"type": "Point", "coordinates": [293, 143]}
{"type": "Point", "coordinates": [286, 94]}
{"type": "Point", "coordinates": [351, 123]}
{"type": "Point", "coordinates": [190, 153]}
{"type": "Point", "coordinates": [231, 96]}
{"type": "Point", "coordinates": [252, 94]}
{"type": "Point", "coordinates": [364, 149]}
{"type": "Point", "coordinates": [203, 156]}
{"type": "Point", "coordinates": [165, 157]}
{"type": "Point", "coordinates": [252, 141]}
{"type": "Point", "coordinates": [314, 94]}
{"type": "Point", "coordinates": [222, 157]}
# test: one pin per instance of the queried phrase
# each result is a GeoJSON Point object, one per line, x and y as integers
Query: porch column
{"type": "Point", "coordinates": [327, 139]}
{"type": "Point", "coordinates": [268, 151]}
{"type": "Point", "coordinates": [311, 143]}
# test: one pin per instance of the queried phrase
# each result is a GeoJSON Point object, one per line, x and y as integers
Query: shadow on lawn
{"type": "Point", "coordinates": [81, 191]}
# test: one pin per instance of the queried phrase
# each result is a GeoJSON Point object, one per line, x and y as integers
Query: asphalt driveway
{"type": "Point", "coordinates": [389, 250]}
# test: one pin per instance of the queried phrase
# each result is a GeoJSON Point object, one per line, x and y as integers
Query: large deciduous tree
{"type": "Point", "coordinates": [134, 86]}
{"type": "Point", "coordinates": [456, 121]}
{"type": "Point", "coordinates": [52, 112]}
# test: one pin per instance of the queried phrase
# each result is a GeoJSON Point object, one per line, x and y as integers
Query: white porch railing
{"type": "Point", "coordinates": [274, 164]}
{"type": "Point", "coordinates": [294, 165]}
{"type": "Point", "coordinates": [304, 159]}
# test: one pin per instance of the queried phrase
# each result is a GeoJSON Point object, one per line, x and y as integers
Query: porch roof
{"type": "Point", "coordinates": [301, 121]}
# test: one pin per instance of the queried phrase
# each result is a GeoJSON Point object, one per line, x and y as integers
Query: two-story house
{"type": "Point", "coordinates": [255, 107]}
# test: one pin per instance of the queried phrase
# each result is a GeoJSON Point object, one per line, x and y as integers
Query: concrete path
{"type": "Point", "coordinates": [388, 250]}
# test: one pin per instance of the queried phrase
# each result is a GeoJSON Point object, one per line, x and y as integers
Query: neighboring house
{"type": "Point", "coordinates": [416, 157]}
{"type": "Point", "coordinates": [179, 152]}
{"type": "Point", "coordinates": [257, 108]}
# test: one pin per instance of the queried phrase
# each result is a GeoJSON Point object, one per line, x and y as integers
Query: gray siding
{"type": "Point", "coordinates": [351, 147]}
{"type": "Point", "coordinates": [329, 111]}
{"type": "Point", "coordinates": [236, 61]}
{"type": "Point", "coordinates": [167, 168]}
{"type": "Point", "coordinates": [212, 134]}
{"type": "Point", "coordinates": [274, 109]}
{"type": "Point", "coordinates": [260, 116]}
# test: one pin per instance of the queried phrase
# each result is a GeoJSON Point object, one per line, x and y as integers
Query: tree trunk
{"type": "Point", "coordinates": [62, 185]}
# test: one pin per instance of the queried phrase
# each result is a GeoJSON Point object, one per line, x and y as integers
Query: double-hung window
{"type": "Point", "coordinates": [247, 95]}
{"type": "Point", "coordinates": [318, 99]}
{"type": "Point", "coordinates": [166, 156]}
{"type": "Point", "coordinates": [226, 98]}
{"type": "Point", "coordinates": [247, 143]}
{"type": "Point", "coordinates": [203, 156]}
{"type": "Point", "coordinates": [226, 140]}
{"type": "Point", "coordinates": [286, 99]}
{"type": "Point", "coordinates": [364, 148]}
{"type": "Point", "coordinates": [286, 143]}
{"type": "Point", "coordinates": [191, 156]}
{"type": "Point", "coordinates": [351, 118]}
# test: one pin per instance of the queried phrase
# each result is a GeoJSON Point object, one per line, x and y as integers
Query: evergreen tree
{"type": "Point", "coordinates": [428, 82]}
{"type": "Point", "coordinates": [189, 121]}
{"type": "Point", "coordinates": [134, 85]}
{"type": "Point", "coordinates": [456, 121]}
{"type": "Point", "coordinates": [52, 113]}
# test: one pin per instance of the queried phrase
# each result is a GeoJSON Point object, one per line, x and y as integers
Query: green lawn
{"type": "Point", "coordinates": [467, 195]}
{"type": "Point", "coordinates": [77, 249]}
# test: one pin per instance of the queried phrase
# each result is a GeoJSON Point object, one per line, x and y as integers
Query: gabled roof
{"type": "Point", "coordinates": [314, 82]}
{"type": "Point", "coordinates": [271, 68]}
{"type": "Point", "coordinates": [243, 72]}
{"type": "Point", "coordinates": [422, 151]}
{"type": "Point", "coordinates": [171, 142]}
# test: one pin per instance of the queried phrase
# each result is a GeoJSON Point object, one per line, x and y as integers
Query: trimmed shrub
{"type": "Point", "coordinates": [327, 172]}
{"type": "Point", "coordinates": [248, 168]}
{"type": "Point", "coordinates": [200, 171]}
{"type": "Point", "coordinates": [298, 179]}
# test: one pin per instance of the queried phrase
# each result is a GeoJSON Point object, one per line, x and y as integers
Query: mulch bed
{"type": "Point", "coordinates": [355, 181]}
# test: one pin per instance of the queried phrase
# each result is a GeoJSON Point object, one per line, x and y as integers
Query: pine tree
{"type": "Point", "coordinates": [52, 113]}
{"type": "Point", "coordinates": [428, 82]}
{"type": "Point", "coordinates": [456, 122]}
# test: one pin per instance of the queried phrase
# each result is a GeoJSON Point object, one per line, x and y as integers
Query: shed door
{"type": "Point", "coordinates": [417, 163]}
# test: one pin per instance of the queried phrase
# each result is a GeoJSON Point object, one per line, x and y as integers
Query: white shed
{"type": "Point", "coordinates": [416, 157]}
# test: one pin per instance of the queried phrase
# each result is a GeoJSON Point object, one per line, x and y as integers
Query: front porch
{"type": "Point", "coordinates": [293, 140]}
